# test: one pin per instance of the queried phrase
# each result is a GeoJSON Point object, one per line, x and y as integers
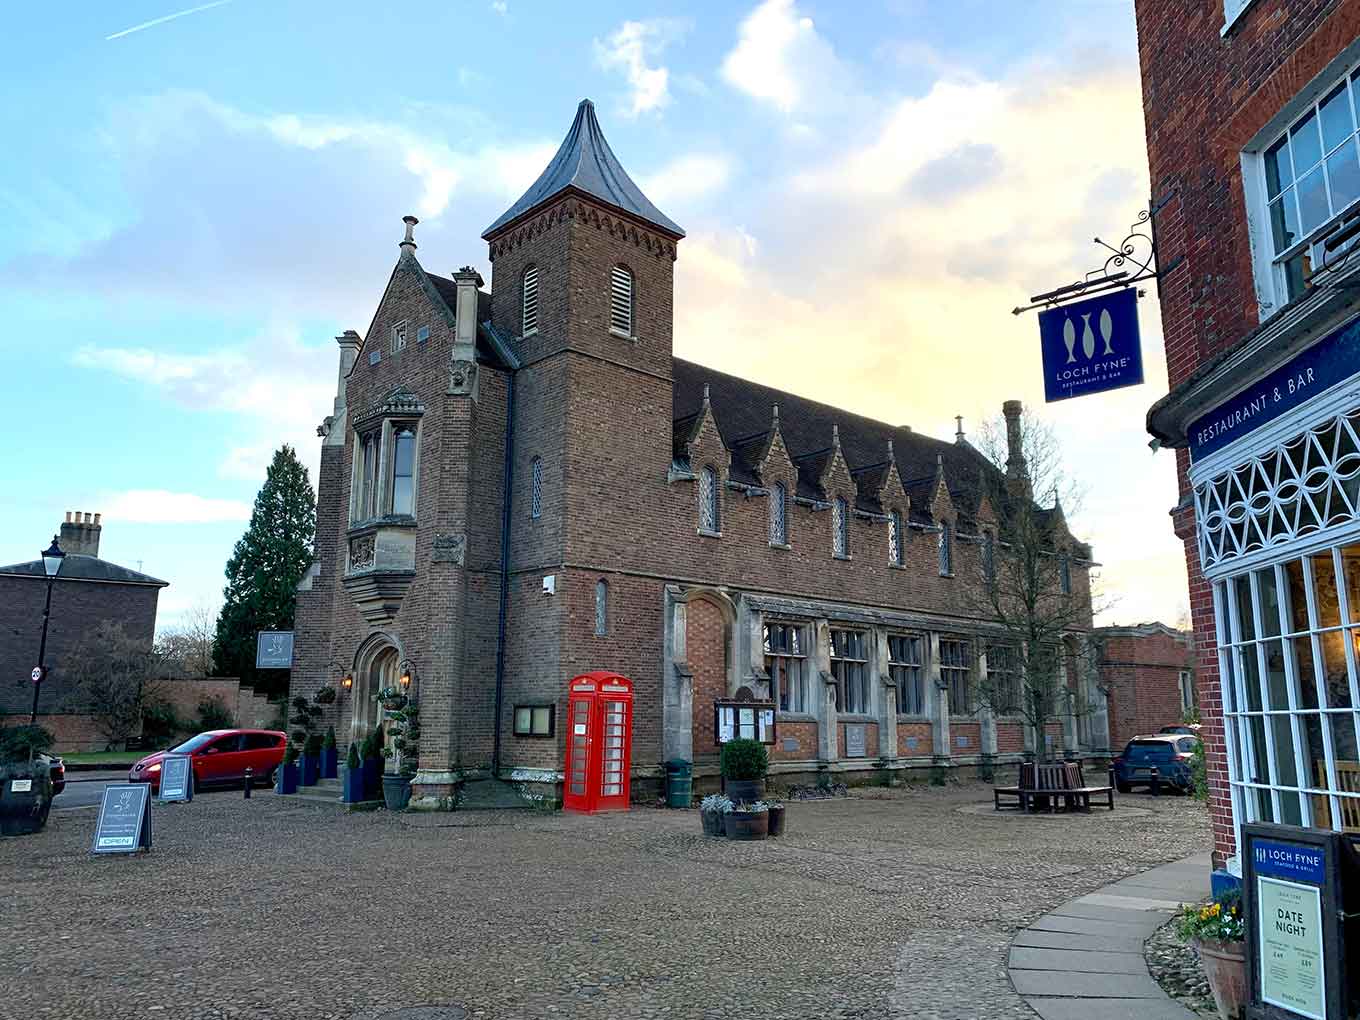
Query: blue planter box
{"type": "Point", "coordinates": [329, 763]}
{"type": "Point", "coordinates": [353, 785]}
{"type": "Point", "coordinates": [288, 779]}
{"type": "Point", "coordinates": [311, 769]}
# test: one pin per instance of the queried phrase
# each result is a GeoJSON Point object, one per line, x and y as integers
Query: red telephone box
{"type": "Point", "coordinates": [599, 743]}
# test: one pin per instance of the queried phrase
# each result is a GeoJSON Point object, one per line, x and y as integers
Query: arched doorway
{"type": "Point", "coordinates": [375, 667]}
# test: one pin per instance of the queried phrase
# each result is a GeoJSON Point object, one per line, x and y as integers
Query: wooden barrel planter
{"type": "Point", "coordinates": [776, 814]}
{"type": "Point", "coordinates": [747, 825]}
{"type": "Point", "coordinates": [744, 791]}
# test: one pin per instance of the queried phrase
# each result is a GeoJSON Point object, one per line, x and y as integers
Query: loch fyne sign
{"type": "Point", "coordinates": [1091, 346]}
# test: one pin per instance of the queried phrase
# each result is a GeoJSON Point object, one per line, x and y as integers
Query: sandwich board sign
{"type": "Point", "coordinates": [124, 824]}
{"type": "Point", "coordinates": [176, 778]}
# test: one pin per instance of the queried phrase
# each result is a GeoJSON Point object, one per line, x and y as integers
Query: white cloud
{"type": "Point", "coordinates": [688, 177]}
{"type": "Point", "coordinates": [500, 7]}
{"type": "Point", "coordinates": [779, 57]}
{"type": "Point", "coordinates": [160, 506]}
{"type": "Point", "coordinates": [631, 49]}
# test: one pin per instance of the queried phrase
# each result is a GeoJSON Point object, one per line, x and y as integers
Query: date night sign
{"type": "Point", "coordinates": [1091, 346]}
{"type": "Point", "coordinates": [124, 823]}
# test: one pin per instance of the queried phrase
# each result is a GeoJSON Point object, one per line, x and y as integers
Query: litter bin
{"type": "Point", "coordinates": [679, 783]}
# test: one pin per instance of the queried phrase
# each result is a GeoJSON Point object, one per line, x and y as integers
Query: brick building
{"type": "Point", "coordinates": [521, 486]}
{"type": "Point", "coordinates": [1251, 115]}
{"type": "Point", "coordinates": [1147, 672]}
{"type": "Point", "coordinates": [87, 592]}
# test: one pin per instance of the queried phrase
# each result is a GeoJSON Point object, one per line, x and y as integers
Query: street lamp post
{"type": "Point", "coordinates": [52, 558]}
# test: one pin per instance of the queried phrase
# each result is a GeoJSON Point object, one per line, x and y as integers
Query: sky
{"type": "Point", "coordinates": [199, 198]}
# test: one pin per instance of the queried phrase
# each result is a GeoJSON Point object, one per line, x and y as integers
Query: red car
{"type": "Point", "coordinates": [220, 757]}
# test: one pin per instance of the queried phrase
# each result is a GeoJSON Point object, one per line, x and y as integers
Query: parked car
{"type": "Point", "coordinates": [220, 758]}
{"type": "Point", "coordinates": [1189, 729]}
{"type": "Point", "coordinates": [58, 769]}
{"type": "Point", "coordinates": [1165, 756]}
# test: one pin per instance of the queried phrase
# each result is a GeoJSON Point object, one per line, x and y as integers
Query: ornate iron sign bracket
{"type": "Point", "coordinates": [1133, 261]}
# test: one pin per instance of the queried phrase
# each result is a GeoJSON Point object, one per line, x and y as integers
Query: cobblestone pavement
{"type": "Point", "coordinates": [894, 903]}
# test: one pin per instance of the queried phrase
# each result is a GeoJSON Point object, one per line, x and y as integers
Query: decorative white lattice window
{"type": "Point", "coordinates": [779, 515]}
{"type": "Point", "coordinates": [621, 301]}
{"type": "Point", "coordinates": [536, 488]}
{"type": "Point", "coordinates": [840, 527]}
{"type": "Point", "coordinates": [1303, 486]}
{"type": "Point", "coordinates": [529, 301]}
{"type": "Point", "coordinates": [709, 522]}
{"type": "Point", "coordinates": [601, 608]}
{"type": "Point", "coordinates": [895, 548]}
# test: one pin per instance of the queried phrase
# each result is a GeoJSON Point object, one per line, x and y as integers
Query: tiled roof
{"type": "Point", "coordinates": [85, 568]}
{"type": "Point", "coordinates": [587, 163]}
{"type": "Point", "coordinates": [743, 410]}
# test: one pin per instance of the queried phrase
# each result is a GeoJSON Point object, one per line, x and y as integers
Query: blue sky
{"type": "Point", "coordinates": [194, 209]}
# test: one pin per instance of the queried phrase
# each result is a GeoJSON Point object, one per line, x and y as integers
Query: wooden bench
{"type": "Point", "coordinates": [1046, 785]}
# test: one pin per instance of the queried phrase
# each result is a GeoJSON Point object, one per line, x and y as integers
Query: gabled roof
{"type": "Point", "coordinates": [77, 567]}
{"type": "Point", "coordinates": [742, 408]}
{"type": "Point", "coordinates": [587, 163]}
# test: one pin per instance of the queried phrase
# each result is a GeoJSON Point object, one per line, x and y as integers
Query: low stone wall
{"type": "Point", "coordinates": [73, 732]}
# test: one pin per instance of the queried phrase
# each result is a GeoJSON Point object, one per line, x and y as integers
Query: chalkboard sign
{"type": "Point", "coordinates": [1299, 887]}
{"type": "Point", "coordinates": [124, 824]}
{"type": "Point", "coordinates": [176, 781]}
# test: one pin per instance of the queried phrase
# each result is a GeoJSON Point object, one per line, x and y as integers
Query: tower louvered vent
{"type": "Point", "coordinates": [621, 301]}
{"type": "Point", "coordinates": [529, 311]}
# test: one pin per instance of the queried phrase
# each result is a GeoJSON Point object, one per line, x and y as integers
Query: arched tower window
{"type": "Point", "coordinates": [709, 520]}
{"type": "Point", "coordinates": [840, 527]}
{"type": "Point", "coordinates": [529, 302]}
{"type": "Point", "coordinates": [601, 607]}
{"type": "Point", "coordinates": [895, 538]}
{"type": "Point", "coordinates": [536, 488]}
{"type": "Point", "coordinates": [621, 301]}
{"type": "Point", "coordinates": [779, 515]}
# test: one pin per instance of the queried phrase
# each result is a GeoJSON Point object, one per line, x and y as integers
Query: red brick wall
{"type": "Point", "coordinates": [1204, 96]}
{"type": "Point", "coordinates": [72, 732]}
{"type": "Point", "coordinates": [1141, 672]}
{"type": "Point", "coordinates": [706, 653]}
{"type": "Point", "coordinates": [970, 731]}
{"type": "Point", "coordinates": [925, 740]}
{"type": "Point", "coordinates": [803, 732]}
{"type": "Point", "coordinates": [1010, 737]}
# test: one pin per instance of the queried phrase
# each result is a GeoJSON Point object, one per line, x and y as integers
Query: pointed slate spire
{"type": "Point", "coordinates": [587, 163]}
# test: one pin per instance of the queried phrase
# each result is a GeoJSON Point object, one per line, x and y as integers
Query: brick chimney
{"type": "Point", "coordinates": [80, 534]}
{"type": "Point", "coordinates": [1017, 471]}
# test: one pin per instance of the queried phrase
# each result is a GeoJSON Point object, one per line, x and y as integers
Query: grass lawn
{"type": "Point", "coordinates": [103, 757]}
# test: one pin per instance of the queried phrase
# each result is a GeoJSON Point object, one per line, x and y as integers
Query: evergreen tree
{"type": "Point", "coordinates": [264, 571]}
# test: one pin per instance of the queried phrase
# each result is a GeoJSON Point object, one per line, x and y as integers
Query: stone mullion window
{"type": "Point", "coordinates": [906, 668]}
{"type": "Point", "coordinates": [1003, 678]}
{"type": "Point", "coordinates": [956, 673]}
{"type": "Point", "coordinates": [850, 670]}
{"type": "Point", "coordinates": [785, 647]}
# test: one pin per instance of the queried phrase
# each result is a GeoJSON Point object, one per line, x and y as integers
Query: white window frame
{"type": "Point", "coordinates": [1232, 11]}
{"type": "Point", "coordinates": [1186, 681]}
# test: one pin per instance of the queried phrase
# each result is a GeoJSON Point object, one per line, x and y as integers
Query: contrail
{"type": "Point", "coordinates": [160, 21]}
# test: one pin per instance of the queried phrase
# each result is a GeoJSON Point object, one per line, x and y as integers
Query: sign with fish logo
{"type": "Point", "coordinates": [1091, 346]}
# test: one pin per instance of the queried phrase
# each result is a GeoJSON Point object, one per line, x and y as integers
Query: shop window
{"type": "Point", "coordinates": [850, 670]}
{"type": "Point", "coordinates": [534, 720]}
{"type": "Point", "coordinates": [709, 520]}
{"type": "Point", "coordinates": [956, 674]}
{"type": "Point", "coordinates": [1003, 679]}
{"type": "Point", "coordinates": [786, 663]}
{"type": "Point", "coordinates": [840, 528]}
{"type": "Point", "coordinates": [895, 549]}
{"type": "Point", "coordinates": [779, 515]}
{"type": "Point", "coordinates": [906, 667]}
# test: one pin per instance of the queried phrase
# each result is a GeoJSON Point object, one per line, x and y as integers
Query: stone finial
{"type": "Point", "coordinates": [775, 420]}
{"type": "Point", "coordinates": [408, 243]}
{"type": "Point", "coordinates": [707, 404]}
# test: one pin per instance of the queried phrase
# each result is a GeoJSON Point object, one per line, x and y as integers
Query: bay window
{"type": "Point", "coordinates": [385, 463]}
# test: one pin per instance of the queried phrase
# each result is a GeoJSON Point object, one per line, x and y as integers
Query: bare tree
{"type": "Point", "coordinates": [186, 651]}
{"type": "Point", "coordinates": [1041, 664]}
{"type": "Point", "coordinates": [113, 676]}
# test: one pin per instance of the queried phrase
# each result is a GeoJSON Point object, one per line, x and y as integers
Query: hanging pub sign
{"type": "Point", "coordinates": [274, 649]}
{"type": "Point", "coordinates": [124, 823]}
{"type": "Point", "coordinates": [176, 781]}
{"type": "Point", "coordinates": [1301, 889]}
{"type": "Point", "coordinates": [1091, 346]}
{"type": "Point", "coordinates": [745, 720]}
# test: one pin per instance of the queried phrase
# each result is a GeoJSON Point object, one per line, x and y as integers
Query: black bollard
{"type": "Point", "coordinates": [250, 778]}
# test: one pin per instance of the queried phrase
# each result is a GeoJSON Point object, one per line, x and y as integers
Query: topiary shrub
{"type": "Point", "coordinates": [744, 759]}
{"type": "Point", "coordinates": [329, 741]}
{"type": "Point", "coordinates": [312, 747]}
{"type": "Point", "coordinates": [352, 758]}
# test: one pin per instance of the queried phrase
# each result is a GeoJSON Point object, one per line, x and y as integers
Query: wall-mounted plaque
{"type": "Point", "coordinates": [274, 649]}
{"type": "Point", "coordinates": [854, 740]}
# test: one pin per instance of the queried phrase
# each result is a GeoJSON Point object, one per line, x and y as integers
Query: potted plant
{"type": "Point", "coordinates": [25, 779]}
{"type": "Point", "coordinates": [325, 696]}
{"type": "Point", "coordinates": [329, 755]}
{"type": "Point", "coordinates": [402, 750]}
{"type": "Point", "coordinates": [1218, 932]}
{"type": "Point", "coordinates": [311, 760]}
{"type": "Point", "coordinates": [288, 771]}
{"type": "Point", "coordinates": [711, 811]}
{"type": "Point", "coordinates": [776, 809]}
{"type": "Point", "coordinates": [747, 821]}
{"type": "Point", "coordinates": [353, 791]}
{"type": "Point", "coordinates": [744, 764]}
{"type": "Point", "coordinates": [372, 753]}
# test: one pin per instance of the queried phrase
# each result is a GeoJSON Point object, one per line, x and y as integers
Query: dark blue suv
{"type": "Point", "coordinates": [1163, 756]}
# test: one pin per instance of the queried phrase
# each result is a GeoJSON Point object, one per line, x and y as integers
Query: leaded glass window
{"type": "Point", "coordinates": [956, 673]}
{"type": "Point", "coordinates": [601, 607]}
{"type": "Point", "coordinates": [708, 501]}
{"type": "Point", "coordinates": [946, 549]}
{"type": "Point", "coordinates": [536, 488]}
{"type": "Point", "coordinates": [1003, 678]}
{"type": "Point", "coordinates": [895, 550]}
{"type": "Point", "coordinates": [840, 527]}
{"type": "Point", "coordinates": [779, 531]}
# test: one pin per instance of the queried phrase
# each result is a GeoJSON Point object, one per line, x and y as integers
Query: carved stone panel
{"type": "Point", "coordinates": [449, 549]}
{"type": "Point", "coordinates": [361, 550]}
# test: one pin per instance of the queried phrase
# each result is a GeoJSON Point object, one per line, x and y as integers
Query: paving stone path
{"type": "Point", "coordinates": [1085, 958]}
{"type": "Point", "coordinates": [890, 904]}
